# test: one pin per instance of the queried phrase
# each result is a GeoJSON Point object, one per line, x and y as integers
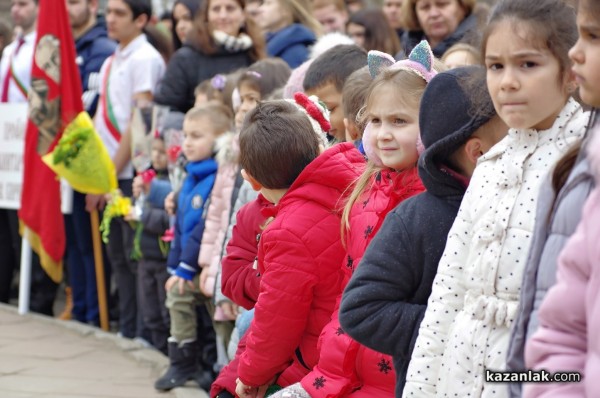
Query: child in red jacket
{"type": "Point", "coordinates": [300, 250]}
{"type": "Point", "coordinates": [391, 115]}
{"type": "Point", "coordinates": [240, 279]}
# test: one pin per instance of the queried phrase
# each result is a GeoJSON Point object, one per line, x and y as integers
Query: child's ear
{"type": "Point", "coordinates": [473, 149]}
{"type": "Point", "coordinates": [352, 132]}
{"type": "Point", "coordinates": [255, 184]}
{"type": "Point", "coordinates": [570, 81]}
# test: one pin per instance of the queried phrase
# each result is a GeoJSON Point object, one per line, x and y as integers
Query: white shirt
{"type": "Point", "coordinates": [137, 68]}
{"type": "Point", "coordinates": [21, 62]}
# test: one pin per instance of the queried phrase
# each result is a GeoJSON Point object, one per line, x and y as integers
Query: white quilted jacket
{"type": "Point", "coordinates": [475, 293]}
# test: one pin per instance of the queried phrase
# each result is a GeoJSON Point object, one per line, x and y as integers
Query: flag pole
{"type": "Point", "coordinates": [25, 277]}
{"type": "Point", "coordinates": [99, 263]}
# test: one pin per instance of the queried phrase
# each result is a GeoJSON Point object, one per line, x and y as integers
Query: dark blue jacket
{"type": "Point", "coordinates": [189, 223]}
{"type": "Point", "coordinates": [92, 50]}
{"type": "Point", "coordinates": [291, 44]}
{"type": "Point", "coordinates": [155, 219]}
{"type": "Point", "coordinates": [411, 38]}
{"type": "Point", "coordinates": [385, 301]}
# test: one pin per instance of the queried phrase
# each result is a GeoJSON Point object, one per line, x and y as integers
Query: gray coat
{"type": "Point", "coordinates": [556, 220]}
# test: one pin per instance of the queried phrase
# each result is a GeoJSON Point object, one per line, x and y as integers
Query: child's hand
{"type": "Point", "coordinates": [131, 216]}
{"type": "Point", "coordinates": [203, 277]}
{"type": "Point", "coordinates": [244, 391]}
{"type": "Point", "coordinates": [108, 196]}
{"type": "Point", "coordinates": [176, 280]}
{"type": "Point", "coordinates": [230, 309]}
{"type": "Point", "coordinates": [170, 203]}
{"type": "Point", "coordinates": [138, 186]}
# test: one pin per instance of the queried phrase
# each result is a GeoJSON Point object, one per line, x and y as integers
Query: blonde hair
{"type": "Point", "coordinates": [410, 87]}
{"type": "Point", "coordinates": [220, 116]}
{"type": "Point", "coordinates": [301, 12]}
{"type": "Point", "coordinates": [473, 51]}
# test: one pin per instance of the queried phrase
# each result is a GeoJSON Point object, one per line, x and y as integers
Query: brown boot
{"type": "Point", "coordinates": [66, 314]}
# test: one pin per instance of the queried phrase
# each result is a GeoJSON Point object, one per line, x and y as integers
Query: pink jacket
{"type": "Point", "coordinates": [217, 216]}
{"type": "Point", "coordinates": [567, 339]}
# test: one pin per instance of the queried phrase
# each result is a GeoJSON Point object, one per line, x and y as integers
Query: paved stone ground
{"type": "Point", "coordinates": [45, 357]}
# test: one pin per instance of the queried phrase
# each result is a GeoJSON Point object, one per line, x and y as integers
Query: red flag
{"type": "Point", "coordinates": [54, 101]}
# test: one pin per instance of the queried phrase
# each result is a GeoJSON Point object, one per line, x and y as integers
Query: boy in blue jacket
{"type": "Point", "coordinates": [201, 126]}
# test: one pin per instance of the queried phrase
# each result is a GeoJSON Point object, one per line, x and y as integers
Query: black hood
{"type": "Point", "coordinates": [447, 119]}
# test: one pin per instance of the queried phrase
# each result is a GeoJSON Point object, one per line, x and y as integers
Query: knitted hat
{"type": "Point", "coordinates": [448, 116]}
{"type": "Point", "coordinates": [294, 83]}
{"type": "Point", "coordinates": [317, 113]}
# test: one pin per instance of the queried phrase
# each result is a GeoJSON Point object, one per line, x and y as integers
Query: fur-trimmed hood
{"type": "Point", "coordinates": [227, 148]}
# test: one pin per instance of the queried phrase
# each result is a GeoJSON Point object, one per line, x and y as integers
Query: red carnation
{"type": "Point", "coordinates": [148, 176]}
{"type": "Point", "coordinates": [173, 153]}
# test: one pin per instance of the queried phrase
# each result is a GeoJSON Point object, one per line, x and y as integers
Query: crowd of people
{"type": "Point", "coordinates": [370, 201]}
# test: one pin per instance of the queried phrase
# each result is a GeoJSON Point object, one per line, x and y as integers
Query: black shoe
{"type": "Point", "coordinates": [182, 367]}
{"type": "Point", "coordinates": [205, 378]}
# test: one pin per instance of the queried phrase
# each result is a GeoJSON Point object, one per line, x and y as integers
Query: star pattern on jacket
{"type": "Point", "coordinates": [350, 262]}
{"type": "Point", "coordinates": [368, 231]}
{"type": "Point", "coordinates": [319, 382]}
{"type": "Point", "coordinates": [384, 366]}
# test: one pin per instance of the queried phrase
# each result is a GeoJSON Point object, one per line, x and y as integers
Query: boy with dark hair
{"type": "Point", "coordinates": [354, 96]}
{"type": "Point", "coordinates": [128, 77]}
{"type": "Point", "coordinates": [300, 250]}
{"type": "Point", "coordinates": [326, 76]}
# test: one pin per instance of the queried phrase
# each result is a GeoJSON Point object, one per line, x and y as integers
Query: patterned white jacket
{"type": "Point", "coordinates": [475, 294]}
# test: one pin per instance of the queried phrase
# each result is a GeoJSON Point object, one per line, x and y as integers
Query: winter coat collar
{"type": "Point", "coordinates": [96, 32]}
{"type": "Point", "coordinates": [197, 171]}
{"type": "Point", "coordinates": [531, 139]}
{"type": "Point", "coordinates": [296, 33]}
{"type": "Point", "coordinates": [412, 38]}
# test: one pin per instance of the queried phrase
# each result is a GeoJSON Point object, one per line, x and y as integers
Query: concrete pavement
{"type": "Point", "coordinates": [45, 357]}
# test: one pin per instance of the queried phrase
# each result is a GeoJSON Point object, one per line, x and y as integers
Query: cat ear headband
{"type": "Point", "coordinates": [420, 61]}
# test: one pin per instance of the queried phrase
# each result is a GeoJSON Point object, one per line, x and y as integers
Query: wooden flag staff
{"type": "Point", "coordinates": [99, 263]}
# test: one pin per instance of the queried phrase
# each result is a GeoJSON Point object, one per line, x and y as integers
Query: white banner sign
{"type": "Point", "coordinates": [13, 123]}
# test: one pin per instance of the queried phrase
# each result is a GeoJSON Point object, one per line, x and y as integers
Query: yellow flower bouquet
{"type": "Point", "coordinates": [117, 206]}
{"type": "Point", "coordinates": [81, 158]}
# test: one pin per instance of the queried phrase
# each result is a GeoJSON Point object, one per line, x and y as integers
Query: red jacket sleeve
{"type": "Point", "coordinates": [226, 380]}
{"type": "Point", "coordinates": [239, 280]}
{"type": "Point", "coordinates": [282, 310]}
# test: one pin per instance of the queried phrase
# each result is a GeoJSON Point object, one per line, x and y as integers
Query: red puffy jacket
{"type": "Point", "coordinates": [298, 257]}
{"type": "Point", "coordinates": [239, 280]}
{"type": "Point", "coordinates": [347, 368]}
